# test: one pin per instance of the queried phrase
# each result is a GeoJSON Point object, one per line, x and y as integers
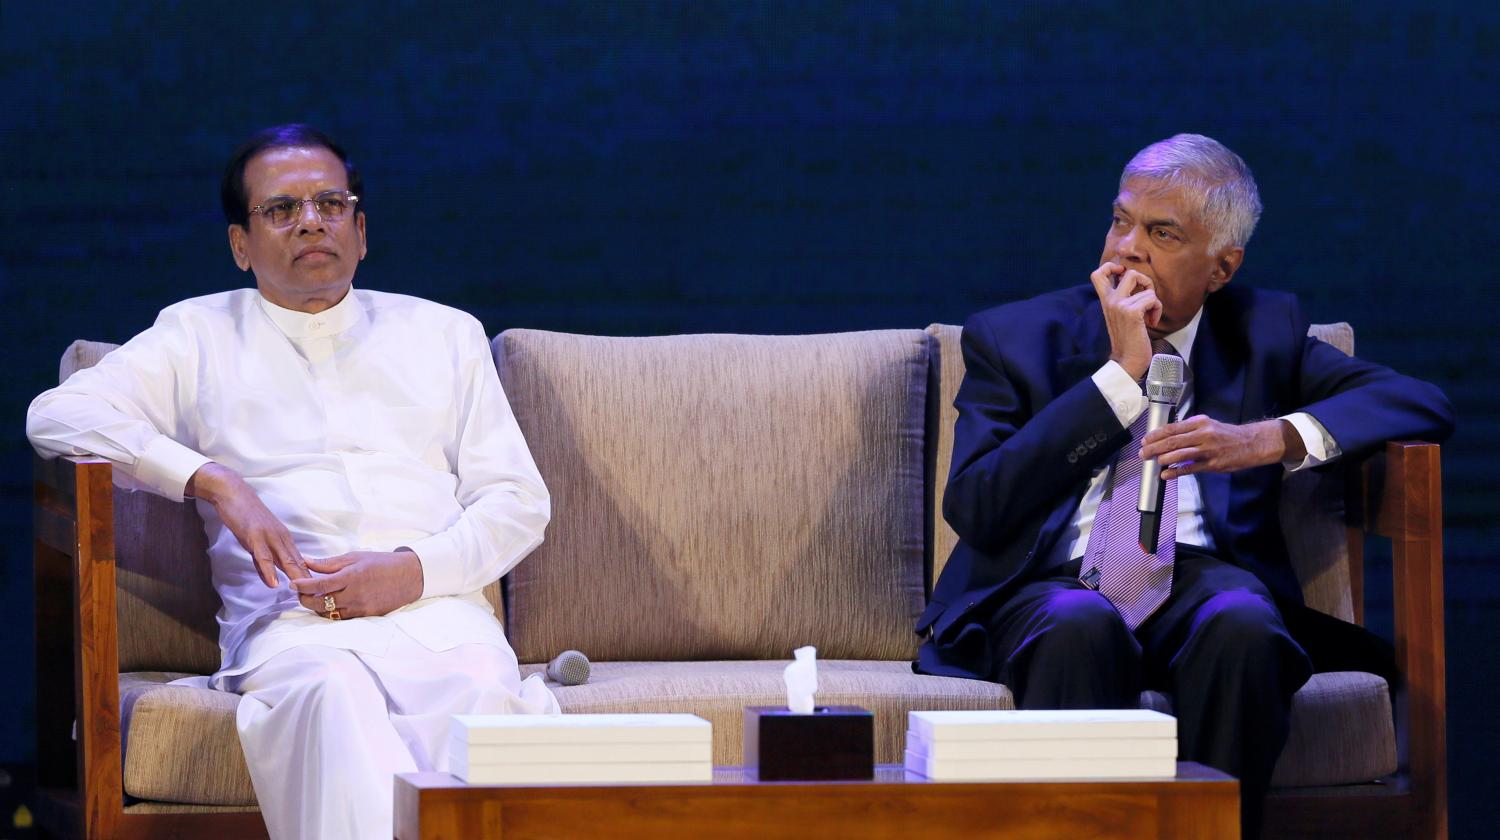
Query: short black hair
{"type": "Point", "coordinates": [232, 193]}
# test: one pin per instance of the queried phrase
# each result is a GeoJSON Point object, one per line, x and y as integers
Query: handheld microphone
{"type": "Point", "coordinates": [569, 668]}
{"type": "Point", "coordinates": [1164, 388]}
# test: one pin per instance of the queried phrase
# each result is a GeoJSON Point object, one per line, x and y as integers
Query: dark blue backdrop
{"type": "Point", "coordinates": [637, 168]}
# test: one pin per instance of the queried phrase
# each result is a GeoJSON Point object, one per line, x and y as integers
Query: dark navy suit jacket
{"type": "Point", "coordinates": [1032, 427]}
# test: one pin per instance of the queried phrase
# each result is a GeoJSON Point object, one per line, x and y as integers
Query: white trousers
{"type": "Point", "coordinates": [325, 730]}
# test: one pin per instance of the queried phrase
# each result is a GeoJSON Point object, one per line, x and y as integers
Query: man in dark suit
{"type": "Point", "coordinates": [1046, 591]}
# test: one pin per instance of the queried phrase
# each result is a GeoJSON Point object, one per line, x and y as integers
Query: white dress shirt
{"type": "Point", "coordinates": [376, 424]}
{"type": "Point", "coordinates": [1126, 399]}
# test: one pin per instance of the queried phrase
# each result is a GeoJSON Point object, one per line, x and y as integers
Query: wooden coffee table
{"type": "Point", "coordinates": [1199, 803]}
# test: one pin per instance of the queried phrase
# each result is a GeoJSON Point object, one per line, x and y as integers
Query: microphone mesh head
{"type": "Point", "coordinates": [1164, 379]}
{"type": "Point", "coordinates": [569, 668]}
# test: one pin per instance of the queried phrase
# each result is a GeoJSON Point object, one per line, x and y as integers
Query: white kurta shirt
{"type": "Point", "coordinates": [376, 424]}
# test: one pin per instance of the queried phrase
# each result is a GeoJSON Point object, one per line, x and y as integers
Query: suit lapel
{"type": "Point", "coordinates": [1090, 348]}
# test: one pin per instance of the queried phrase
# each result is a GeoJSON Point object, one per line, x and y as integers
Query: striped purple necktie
{"type": "Point", "coordinates": [1137, 583]}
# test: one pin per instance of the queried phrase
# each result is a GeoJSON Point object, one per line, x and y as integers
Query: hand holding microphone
{"type": "Point", "coordinates": [1164, 387]}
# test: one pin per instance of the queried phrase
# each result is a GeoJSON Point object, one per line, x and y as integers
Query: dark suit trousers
{"type": "Point", "coordinates": [1218, 646]}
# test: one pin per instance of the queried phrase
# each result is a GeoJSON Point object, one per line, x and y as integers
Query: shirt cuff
{"type": "Point", "coordinates": [166, 465]}
{"type": "Point", "coordinates": [1321, 447]}
{"type": "Point", "coordinates": [1121, 392]}
{"type": "Point", "coordinates": [442, 574]}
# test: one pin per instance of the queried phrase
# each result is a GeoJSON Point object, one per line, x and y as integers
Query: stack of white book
{"type": "Point", "coordinates": [550, 749]}
{"type": "Point", "coordinates": [1037, 744]}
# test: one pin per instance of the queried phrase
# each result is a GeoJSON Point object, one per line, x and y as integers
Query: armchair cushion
{"type": "Point", "coordinates": [181, 744]}
{"type": "Point", "coordinates": [1341, 722]}
{"type": "Point", "coordinates": [1342, 732]}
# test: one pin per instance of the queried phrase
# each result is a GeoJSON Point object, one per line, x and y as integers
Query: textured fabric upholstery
{"type": "Point", "coordinates": [1317, 541]}
{"type": "Point", "coordinates": [1342, 732]}
{"type": "Point", "coordinates": [949, 360]}
{"type": "Point", "coordinates": [175, 808]}
{"type": "Point", "coordinates": [720, 691]}
{"type": "Point", "coordinates": [1312, 518]}
{"type": "Point", "coordinates": [1340, 334]}
{"type": "Point", "coordinates": [81, 354]}
{"type": "Point", "coordinates": [165, 723]}
{"type": "Point", "coordinates": [722, 496]}
{"type": "Point", "coordinates": [165, 598]}
{"type": "Point", "coordinates": [1341, 722]}
{"type": "Point", "coordinates": [180, 742]}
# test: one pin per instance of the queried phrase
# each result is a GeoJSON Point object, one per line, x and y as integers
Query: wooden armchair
{"type": "Point", "coordinates": [80, 783]}
{"type": "Point", "coordinates": [1397, 495]}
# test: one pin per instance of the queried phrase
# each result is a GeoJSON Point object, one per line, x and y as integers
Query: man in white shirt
{"type": "Point", "coordinates": [361, 479]}
{"type": "Point", "coordinates": [1051, 590]}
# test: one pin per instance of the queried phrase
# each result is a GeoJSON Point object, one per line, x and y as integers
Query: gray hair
{"type": "Point", "coordinates": [1215, 179]}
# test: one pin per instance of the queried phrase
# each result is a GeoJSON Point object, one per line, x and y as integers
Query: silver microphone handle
{"type": "Point", "coordinates": [1161, 412]}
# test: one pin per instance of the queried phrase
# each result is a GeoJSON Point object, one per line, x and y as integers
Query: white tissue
{"type": "Point", "coordinates": [802, 680]}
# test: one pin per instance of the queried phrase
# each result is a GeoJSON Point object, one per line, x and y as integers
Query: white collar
{"type": "Point", "coordinates": [331, 321]}
{"type": "Point", "coordinates": [1182, 340]}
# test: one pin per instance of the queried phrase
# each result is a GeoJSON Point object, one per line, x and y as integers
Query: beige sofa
{"type": "Point", "coordinates": [717, 501]}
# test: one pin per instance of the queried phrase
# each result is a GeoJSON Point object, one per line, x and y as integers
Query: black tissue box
{"type": "Point", "coordinates": [834, 742]}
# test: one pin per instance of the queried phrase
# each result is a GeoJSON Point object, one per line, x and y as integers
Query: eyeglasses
{"type": "Point", "coordinates": [282, 210]}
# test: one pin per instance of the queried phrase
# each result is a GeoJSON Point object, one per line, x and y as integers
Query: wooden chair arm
{"type": "Point", "coordinates": [76, 625]}
{"type": "Point", "coordinates": [1401, 499]}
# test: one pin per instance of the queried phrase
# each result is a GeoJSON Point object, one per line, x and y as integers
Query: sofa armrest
{"type": "Point", "coordinates": [76, 643]}
{"type": "Point", "coordinates": [1399, 496]}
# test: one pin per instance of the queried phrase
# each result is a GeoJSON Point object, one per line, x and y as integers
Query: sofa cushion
{"type": "Point", "coordinates": [181, 744]}
{"type": "Point", "coordinates": [1343, 732]}
{"type": "Point", "coordinates": [720, 691]}
{"type": "Point", "coordinates": [721, 496]}
{"type": "Point", "coordinates": [1341, 722]}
